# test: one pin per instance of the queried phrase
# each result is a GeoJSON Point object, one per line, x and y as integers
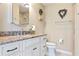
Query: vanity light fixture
{"type": "Point", "coordinates": [26, 5]}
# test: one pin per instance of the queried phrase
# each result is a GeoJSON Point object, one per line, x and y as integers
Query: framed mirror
{"type": "Point", "coordinates": [20, 14]}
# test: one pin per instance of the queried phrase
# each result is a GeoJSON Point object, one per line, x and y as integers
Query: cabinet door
{"type": "Point", "coordinates": [12, 49]}
{"type": "Point", "coordinates": [36, 50]}
{"type": "Point", "coordinates": [29, 46]}
{"type": "Point", "coordinates": [27, 51]}
{"type": "Point", "coordinates": [33, 50]}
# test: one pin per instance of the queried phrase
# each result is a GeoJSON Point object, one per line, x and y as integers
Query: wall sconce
{"type": "Point", "coordinates": [41, 14]}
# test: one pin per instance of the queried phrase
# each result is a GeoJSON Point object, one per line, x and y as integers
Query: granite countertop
{"type": "Point", "coordinates": [6, 39]}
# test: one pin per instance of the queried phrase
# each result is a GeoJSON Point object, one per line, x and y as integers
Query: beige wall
{"type": "Point", "coordinates": [6, 18]}
{"type": "Point", "coordinates": [58, 28]}
{"type": "Point", "coordinates": [35, 18]}
{"type": "Point", "coordinates": [77, 29]}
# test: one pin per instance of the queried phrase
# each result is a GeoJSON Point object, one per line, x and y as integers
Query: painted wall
{"type": "Point", "coordinates": [6, 18]}
{"type": "Point", "coordinates": [77, 29]}
{"type": "Point", "coordinates": [35, 18]}
{"type": "Point", "coordinates": [57, 28]}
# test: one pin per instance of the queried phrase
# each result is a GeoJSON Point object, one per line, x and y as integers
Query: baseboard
{"type": "Point", "coordinates": [64, 52]}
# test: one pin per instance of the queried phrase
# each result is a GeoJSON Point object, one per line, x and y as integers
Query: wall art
{"type": "Point", "coordinates": [62, 13]}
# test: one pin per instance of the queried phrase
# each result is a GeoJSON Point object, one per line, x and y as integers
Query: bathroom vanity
{"type": "Point", "coordinates": [24, 46]}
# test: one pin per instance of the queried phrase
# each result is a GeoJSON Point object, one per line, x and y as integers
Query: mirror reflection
{"type": "Point", "coordinates": [20, 13]}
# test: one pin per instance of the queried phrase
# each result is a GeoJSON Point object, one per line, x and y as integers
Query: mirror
{"type": "Point", "coordinates": [20, 13]}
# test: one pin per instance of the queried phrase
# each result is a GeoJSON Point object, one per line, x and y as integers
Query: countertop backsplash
{"type": "Point", "coordinates": [14, 33]}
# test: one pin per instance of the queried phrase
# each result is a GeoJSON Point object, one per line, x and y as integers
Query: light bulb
{"type": "Point", "coordinates": [26, 5]}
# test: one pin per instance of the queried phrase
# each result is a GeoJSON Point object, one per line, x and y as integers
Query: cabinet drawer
{"type": "Point", "coordinates": [35, 40]}
{"type": "Point", "coordinates": [12, 49]}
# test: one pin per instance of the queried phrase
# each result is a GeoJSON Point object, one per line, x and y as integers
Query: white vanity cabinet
{"type": "Point", "coordinates": [35, 46]}
{"type": "Point", "coordinates": [12, 49]}
{"type": "Point", "coordinates": [0, 50]}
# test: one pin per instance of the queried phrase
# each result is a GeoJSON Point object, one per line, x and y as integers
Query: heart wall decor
{"type": "Point", "coordinates": [62, 13]}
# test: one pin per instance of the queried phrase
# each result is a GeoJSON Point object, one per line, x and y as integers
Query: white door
{"type": "Point", "coordinates": [12, 49]}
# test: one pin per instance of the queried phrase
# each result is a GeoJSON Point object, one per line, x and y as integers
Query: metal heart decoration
{"type": "Point", "coordinates": [62, 13]}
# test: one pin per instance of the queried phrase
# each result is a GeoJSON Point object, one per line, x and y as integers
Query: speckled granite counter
{"type": "Point", "coordinates": [7, 39]}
